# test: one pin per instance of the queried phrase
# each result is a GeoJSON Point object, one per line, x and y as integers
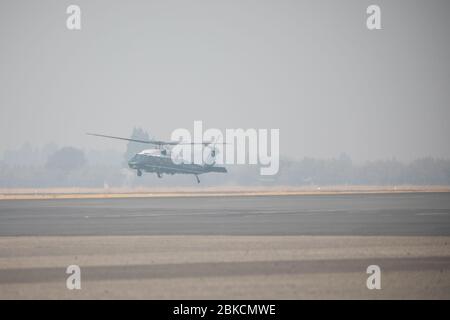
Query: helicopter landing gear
{"type": "Point", "coordinates": [159, 175]}
{"type": "Point", "coordinates": [139, 173]}
{"type": "Point", "coordinates": [198, 180]}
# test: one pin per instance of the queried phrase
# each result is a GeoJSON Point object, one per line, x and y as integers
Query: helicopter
{"type": "Point", "coordinates": [158, 160]}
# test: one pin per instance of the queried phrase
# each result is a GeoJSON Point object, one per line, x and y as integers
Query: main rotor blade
{"type": "Point", "coordinates": [154, 142]}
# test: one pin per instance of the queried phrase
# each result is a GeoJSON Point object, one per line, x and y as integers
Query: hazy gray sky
{"type": "Point", "coordinates": [309, 68]}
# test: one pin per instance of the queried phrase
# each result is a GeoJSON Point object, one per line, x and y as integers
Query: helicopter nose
{"type": "Point", "coordinates": [132, 162]}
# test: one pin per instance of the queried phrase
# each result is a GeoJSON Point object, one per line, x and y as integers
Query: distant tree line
{"type": "Point", "coordinates": [71, 167]}
{"type": "Point", "coordinates": [341, 171]}
{"type": "Point", "coordinates": [53, 166]}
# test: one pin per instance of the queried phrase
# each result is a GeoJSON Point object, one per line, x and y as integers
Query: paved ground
{"type": "Point", "coordinates": [232, 248]}
{"type": "Point", "coordinates": [227, 267]}
{"type": "Point", "coordinates": [364, 214]}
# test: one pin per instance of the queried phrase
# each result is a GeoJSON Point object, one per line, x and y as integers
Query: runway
{"type": "Point", "coordinates": [356, 214]}
{"type": "Point", "coordinates": [237, 247]}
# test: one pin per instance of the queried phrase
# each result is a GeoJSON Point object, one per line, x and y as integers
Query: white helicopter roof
{"type": "Point", "coordinates": [151, 152]}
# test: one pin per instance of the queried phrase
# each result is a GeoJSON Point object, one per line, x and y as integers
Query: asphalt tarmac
{"type": "Point", "coordinates": [231, 247]}
{"type": "Point", "coordinates": [418, 214]}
